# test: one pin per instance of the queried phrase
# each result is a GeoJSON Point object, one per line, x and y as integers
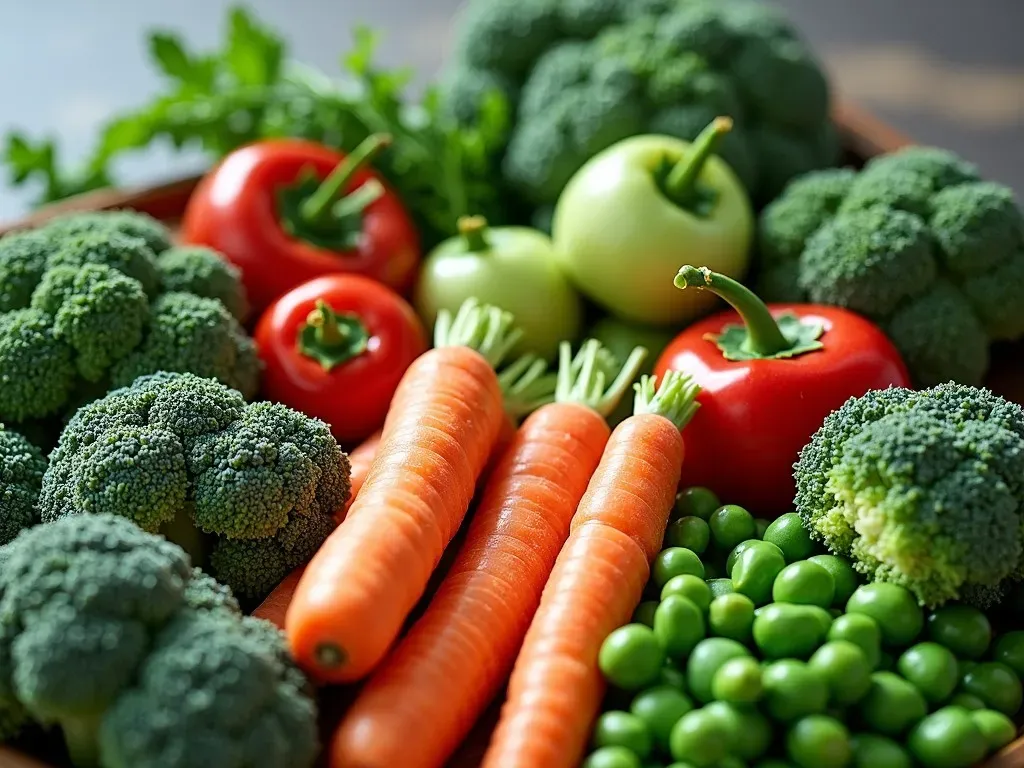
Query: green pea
{"type": "Point", "coordinates": [719, 587]}
{"type": "Point", "coordinates": [932, 668]}
{"type": "Point", "coordinates": [804, 583]}
{"type": "Point", "coordinates": [742, 547]}
{"type": "Point", "coordinates": [947, 738]}
{"type": "Point", "coordinates": [793, 690]}
{"type": "Point", "coordinates": [819, 741]}
{"type": "Point", "coordinates": [673, 677]}
{"type": "Point", "coordinates": [967, 701]}
{"type": "Point", "coordinates": [892, 704]}
{"type": "Point", "coordinates": [676, 561]}
{"type": "Point", "coordinates": [995, 684]}
{"type": "Point", "coordinates": [843, 576]}
{"type": "Point", "coordinates": [997, 728]}
{"type": "Point", "coordinates": [873, 751]}
{"type": "Point", "coordinates": [787, 532]}
{"type": "Point", "coordinates": [754, 572]}
{"type": "Point", "coordinates": [705, 661]}
{"type": "Point", "coordinates": [898, 615]}
{"type": "Point", "coordinates": [644, 613]}
{"type": "Point", "coordinates": [730, 525]}
{"type": "Point", "coordinates": [660, 708]}
{"type": "Point", "coordinates": [631, 657]}
{"type": "Point", "coordinates": [738, 681]}
{"type": "Point", "coordinates": [678, 625]}
{"type": "Point", "coordinates": [696, 502]}
{"type": "Point", "coordinates": [1009, 650]}
{"type": "Point", "coordinates": [750, 732]}
{"type": "Point", "coordinates": [732, 615]}
{"type": "Point", "coordinates": [700, 738]}
{"type": "Point", "coordinates": [771, 762]}
{"type": "Point", "coordinates": [691, 587]}
{"type": "Point", "coordinates": [623, 729]}
{"type": "Point", "coordinates": [963, 629]}
{"type": "Point", "coordinates": [845, 669]}
{"type": "Point", "coordinates": [783, 631]}
{"type": "Point", "coordinates": [760, 526]}
{"type": "Point", "coordinates": [690, 532]}
{"type": "Point", "coordinates": [612, 757]}
{"type": "Point", "coordinates": [860, 630]}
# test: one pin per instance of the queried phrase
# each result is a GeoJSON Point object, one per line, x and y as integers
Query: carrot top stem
{"type": "Point", "coordinates": [489, 330]}
{"type": "Point", "coordinates": [674, 398]}
{"type": "Point", "coordinates": [585, 378]}
{"type": "Point", "coordinates": [527, 385]}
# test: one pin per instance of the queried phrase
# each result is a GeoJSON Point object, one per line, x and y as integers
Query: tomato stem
{"type": "Point", "coordinates": [763, 335]}
{"type": "Point", "coordinates": [681, 180]}
{"type": "Point", "coordinates": [332, 338]}
{"type": "Point", "coordinates": [473, 230]}
{"type": "Point", "coordinates": [322, 203]}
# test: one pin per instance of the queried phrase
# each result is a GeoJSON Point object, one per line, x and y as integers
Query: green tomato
{"type": "Point", "coordinates": [730, 525]}
{"type": "Point", "coordinates": [995, 684]}
{"type": "Point", "coordinates": [783, 630]}
{"type": "Point", "coordinates": [706, 659]}
{"type": "Point", "coordinates": [623, 729]}
{"type": "Point", "coordinates": [947, 738]}
{"type": "Point", "coordinates": [892, 704]}
{"type": "Point", "coordinates": [514, 268]}
{"type": "Point", "coordinates": [843, 575]}
{"type": "Point", "coordinates": [932, 668]}
{"type": "Point", "coordinates": [660, 708]}
{"type": "Point", "coordinates": [689, 532]}
{"type": "Point", "coordinates": [738, 681]}
{"type": "Point", "coordinates": [696, 501]}
{"type": "Point", "coordinates": [732, 615]}
{"type": "Point", "coordinates": [804, 583]}
{"type": "Point", "coordinates": [688, 586]}
{"type": "Point", "coordinates": [1009, 650]}
{"type": "Point", "coordinates": [676, 561]}
{"type": "Point", "coordinates": [787, 532]}
{"type": "Point", "coordinates": [898, 615]}
{"type": "Point", "coordinates": [997, 728]}
{"type": "Point", "coordinates": [862, 631]}
{"type": "Point", "coordinates": [819, 741]}
{"type": "Point", "coordinates": [631, 657]}
{"type": "Point", "coordinates": [793, 690]}
{"type": "Point", "coordinates": [845, 668]}
{"type": "Point", "coordinates": [678, 625]}
{"type": "Point", "coordinates": [612, 757]}
{"type": "Point", "coordinates": [873, 751]}
{"type": "Point", "coordinates": [963, 629]}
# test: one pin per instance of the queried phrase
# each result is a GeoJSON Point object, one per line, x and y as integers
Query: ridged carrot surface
{"type": "Point", "coordinates": [359, 460]}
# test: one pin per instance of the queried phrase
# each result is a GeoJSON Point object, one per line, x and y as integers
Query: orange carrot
{"type": "Point", "coordinates": [461, 650]}
{"type": "Point", "coordinates": [357, 591]}
{"type": "Point", "coordinates": [360, 460]}
{"type": "Point", "coordinates": [556, 688]}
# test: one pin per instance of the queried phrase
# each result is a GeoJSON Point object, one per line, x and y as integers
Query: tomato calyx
{"type": "Point", "coordinates": [332, 338]}
{"type": "Point", "coordinates": [761, 336]}
{"type": "Point", "coordinates": [323, 213]}
{"type": "Point", "coordinates": [679, 179]}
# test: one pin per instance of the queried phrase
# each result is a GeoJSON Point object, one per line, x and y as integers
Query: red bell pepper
{"type": "Point", "coordinates": [767, 384]}
{"type": "Point", "coordinates": [336, 348]}
{"type": "Point", "coordinates": [286, 211]}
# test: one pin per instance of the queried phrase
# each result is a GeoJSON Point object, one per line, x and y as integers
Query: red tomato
{"type": "Point", "coordinates": [336, 348]}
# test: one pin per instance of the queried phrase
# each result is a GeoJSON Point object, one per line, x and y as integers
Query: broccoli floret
{"type": "Point", "coordinates": [130, 223]}
{"type": "Point", "coordinates": [96, 310]}
{"type": "Point", "coordinates": [21, 474]}
{"type": "Point", "coordinates": [23, 257]}
{"type": "Point", "coordinates": [107, 632]}
{"type": "Point", "coordinates": [37, 373]}
{"type": "Point", "coordinates": [204, 272]}
{"type": "Point", "coordinates": [128, 255]}
{"type": "Point", "coordinates": [261, 481]}
{"type": "Point", "coordinates": [188, 333]}
{"type": "Point", "coordinates": [921, 488]}
{"type": "Point", "coordinates": [686, 59]}
{"type": "Point", "coordinates": [915, 242]}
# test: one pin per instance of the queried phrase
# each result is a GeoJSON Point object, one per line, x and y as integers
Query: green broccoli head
{"type": "Point", "coordinates": [553, 60]}
{"type": "Point", "coordinates": [131, 223]}
{"type": "Point", "coordinates": [921, 488]}
{"type": "Point", "coordinates": [21, 475]}
{"type": "Point", "coordinates": [108, 632]}
{"type": "Point", "coordinates": [258, 479]}
{"type": "Point", "coordinates": [916, 242]}
{"type": "Point", "coordinates": [204, 272]}
{"type": "Point", "coordinates": [37, 372]}
{"type": "Point", "coordinates": [128, 255]}
{"type": "Point", "coordinates": [23, 257]}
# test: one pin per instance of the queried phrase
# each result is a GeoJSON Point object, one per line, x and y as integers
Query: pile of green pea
{"type": "Point", "coordinates": [754, 648]}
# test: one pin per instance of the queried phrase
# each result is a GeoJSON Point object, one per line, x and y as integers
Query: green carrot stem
{"type": "Point", "coordinates": [487, 329]}
{"type": "Point", "coordinates": [674, 398]}
{"type": "Point", "coordinates": [527, 385]}
{"type": "Point", "coordinates": [592, 379]}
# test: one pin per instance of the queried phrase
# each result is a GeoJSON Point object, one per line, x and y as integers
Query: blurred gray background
{"type": "Point", "coordinates": [948, 72]}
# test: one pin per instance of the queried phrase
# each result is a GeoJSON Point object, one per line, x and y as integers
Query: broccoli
{"type": "Point", "coordinates": [21, 474]}
{"type": "Point", "coordinates": [580, 75]}
{"type": "Point", "coordinates": [918, 243]}
{"type": "Point", "coordinates": [921, 488]}
{"type": "Point", "coordinates": [249, 488]}
{"type": "Point", "coordinates": [87, 305]}
{"type": "Point", "coordinates": [109, 633]}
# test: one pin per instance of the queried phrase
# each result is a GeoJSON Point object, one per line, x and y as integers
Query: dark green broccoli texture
{"type": "Point", "coordinates": [918, 243]}
{"type": "Point", "coordinates": [581, 75]}
{"type": "Point", "coordinates": [87, 304]}
{"type": "Point", "coordinates": [921, 488]}
{"type": "Point", "coordinates": [21, 475]}
{"type": "Point", "coordinates": [248, 489]}
{"type": "Point", "coordinates": [142, 661]}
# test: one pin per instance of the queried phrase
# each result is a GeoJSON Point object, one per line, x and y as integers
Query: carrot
{"type": "Point", "coordinates": [461, 650]}
{"type": "Point", "coordinates": [556, 688]}
{"type": "Point", "coordinates": [357, 591]}
{"type": "Point", "coordinates": [359, 460]}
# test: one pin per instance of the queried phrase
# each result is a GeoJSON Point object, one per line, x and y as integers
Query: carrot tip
{"type": "Point", "coordinates": [329, 656]}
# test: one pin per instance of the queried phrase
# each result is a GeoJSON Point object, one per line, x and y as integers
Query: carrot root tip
{"type": "Point", "coordinates": [329, 656]}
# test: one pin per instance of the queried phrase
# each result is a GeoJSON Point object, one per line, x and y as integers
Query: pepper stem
{"type": "Point", "coordinates": [763, 334]}
{"type": "Point", "coordinates": [679, 184]}
{"type": "Point", "coordinates": [320, 204]}
{"type": "Point", "coordinates": [473, 230]}
{"type": "Point", "coordinates": [331, 338]}
{"type": "Point", "coordinates": [674, 397]}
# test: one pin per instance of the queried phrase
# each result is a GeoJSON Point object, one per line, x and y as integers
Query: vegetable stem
{"type": "Point", "coordinates": [80, 737]}
{"type": "Point", "coordinates": [674, 397]}
{"type": "Point", "coordinates": [321, 204]}
{"type": "Point", "coordinates": [681, 180]}
{"type": "Point", "coordinates": [763, 334]}
{"type": "Point", "coordinates": [489, 330]}
{"type": "Point", "coordinates": [527, 385]}
{"type": "Point", "coordinates": [473, 230]}
{"type": "Point", "coordinates": [593, 378]}
{"type": "Point", "coordinates": [332, 338]}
